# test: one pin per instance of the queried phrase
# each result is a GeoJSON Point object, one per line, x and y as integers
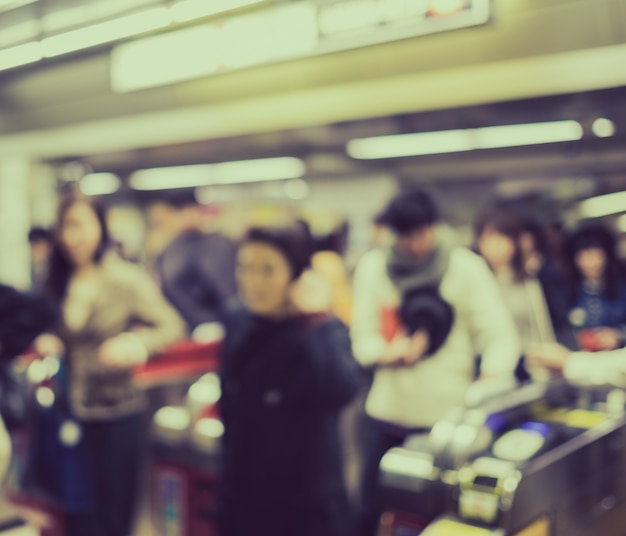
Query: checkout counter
{"type": "Point", "coordinates": [542, 460]}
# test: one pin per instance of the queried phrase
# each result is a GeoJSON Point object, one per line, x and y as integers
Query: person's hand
{"type": "Point", "coordinates": [549, 355]}
{"type": "Point", "coordinates": [311, 293]}
{"type": "Point", "coordinates": [395, 352]}
{"type": "Point", "coordinates": [123, 351]}
{"type": "Point", "coordinates": [405, 351]}
{"type": "Point", "coordinates": [115, 353]}
{"type": "Point", "coordinates": [418, 345]}
{"type": "Point", "coordinates": [47, 344]}
{"type": "Point", "coordinates": [488, 386]}
{"type": "Point", "coordinates": [208, 332]}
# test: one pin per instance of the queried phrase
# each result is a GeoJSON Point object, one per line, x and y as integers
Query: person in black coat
{"type": "Point", "coordinates": [23, 316]}
{"type": "Point", "coordinates": [287, 371]}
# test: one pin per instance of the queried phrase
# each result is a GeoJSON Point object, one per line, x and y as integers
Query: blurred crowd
{"type": "Point", "coordinates": [423, 323]}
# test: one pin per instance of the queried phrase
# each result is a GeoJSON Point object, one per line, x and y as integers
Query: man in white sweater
{"type": "Point", "coordinates": [414, 383]}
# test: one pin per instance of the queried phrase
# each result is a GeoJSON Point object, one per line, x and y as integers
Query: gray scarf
{"type": "Point", "coordinates": [407, 273]}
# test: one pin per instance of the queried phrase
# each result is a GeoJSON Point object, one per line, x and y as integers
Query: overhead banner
{"type": "Point", "coordinates": [300, 29]}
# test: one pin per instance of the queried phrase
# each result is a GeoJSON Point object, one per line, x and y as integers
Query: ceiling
{"type": "Point", "coordinates": [65, 106]}
{"type": "Point", "coordinates": [324, 147]}
{"type": "Point", "coordinates": [535, 61]}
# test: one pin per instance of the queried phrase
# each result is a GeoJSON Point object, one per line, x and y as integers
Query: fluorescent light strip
{"type": "Point", "coordinates": [621, 224]}
{"type": "Point", "coordinates": [423, 143]}
{"type": "Point", "coordinates": [603, 205]}
{"type": "Point", "coordinates": [195, 9]}
{"type": "Point", "coordinates": [100, 184]}
{"type": "Point", "coordinates": [170, 178]}
{"type": "Point", "coordinates": [106, 32]}
{"type": "Point", "coordinates": [527, 134]}
{"type": "Point", "coordinates": [265, 169]}
{"type": "Point", "coordinates": [453, 141]}
{"type": "Point", "coordinates": [20, 55]}
{"type": "Point", "coordinates": [238, 172]}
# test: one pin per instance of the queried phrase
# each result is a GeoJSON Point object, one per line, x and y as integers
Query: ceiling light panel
{"type": "Point", "coordinates": [603, 205]}
{"type": "Point", "coordinates": [417, 144]}
{"type": "Point", "coordinates": [454, 141]}
{"type": "Point", "coordinates": [527, 134]}
{"type": "Point", "coordinates": [603, 127]}
{"type": "Point", "coordinates": [99, 184]}
{"type": "Point", "coordinates": [237, 172]}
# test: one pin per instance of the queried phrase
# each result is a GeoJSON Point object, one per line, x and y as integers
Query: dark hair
{"type": "Point", "coordinates": [334, 241]}
{"type": "Point", "coordinates": [40, 233]}
{"type": "Point", "coordinates": [409, 211]}
{"type": "Point", "coordinates": [510, 226]}
{"type": "Point", "coordinates": [591, 236]}
{"type": "Point", "coordinates": [292, 241]}
{"type": "Point", "coordinates": [534, 229]}
{"type": "Point", "coordinates": [60, 268]}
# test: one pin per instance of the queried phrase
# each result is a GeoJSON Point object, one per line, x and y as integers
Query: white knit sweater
{"type": "Point", "coordinates": [419, 395]}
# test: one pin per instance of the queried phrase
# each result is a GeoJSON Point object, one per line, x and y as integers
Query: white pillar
{"type": "Point", "coordinates": [14, 221]}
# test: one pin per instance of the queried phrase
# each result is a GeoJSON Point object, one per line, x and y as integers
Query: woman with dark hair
{"type": "Point", "coordinates": [287, 372]}
{"type": "Point", "coordinates": [113, 318]}
{"type": "Point", "coordinates": [598, 290]}
{"type": "Point", "coordinates": [498, 239]}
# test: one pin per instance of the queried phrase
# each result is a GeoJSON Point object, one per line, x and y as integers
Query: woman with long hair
{"type": "Point", "coordinates": [287, 372]}
{"type": "Point", "coordinates": [498, 235]}
{"type": "Point", "coordinates": [113, 318]}
{"type": "Point", "coordinates": [598, 289]}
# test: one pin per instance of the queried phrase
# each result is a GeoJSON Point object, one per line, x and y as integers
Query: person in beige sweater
{"type": "Point", "coordinates": [113, 318]}
{"type": "Point", "coordinates": [414, 383]}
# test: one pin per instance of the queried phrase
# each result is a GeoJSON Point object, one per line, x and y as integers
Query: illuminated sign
{"type": "Point", "coordinates": [297, 30]}
{"type": "Point", "coordinates": [353, 23]}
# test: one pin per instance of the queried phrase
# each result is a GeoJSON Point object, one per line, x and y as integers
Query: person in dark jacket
{"type": "Point", "coordinates": [23, 316]}
{"type": "Point", "coordinates": [598, 288]}
{"type": "Point", "coordinates": [287, 372]}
